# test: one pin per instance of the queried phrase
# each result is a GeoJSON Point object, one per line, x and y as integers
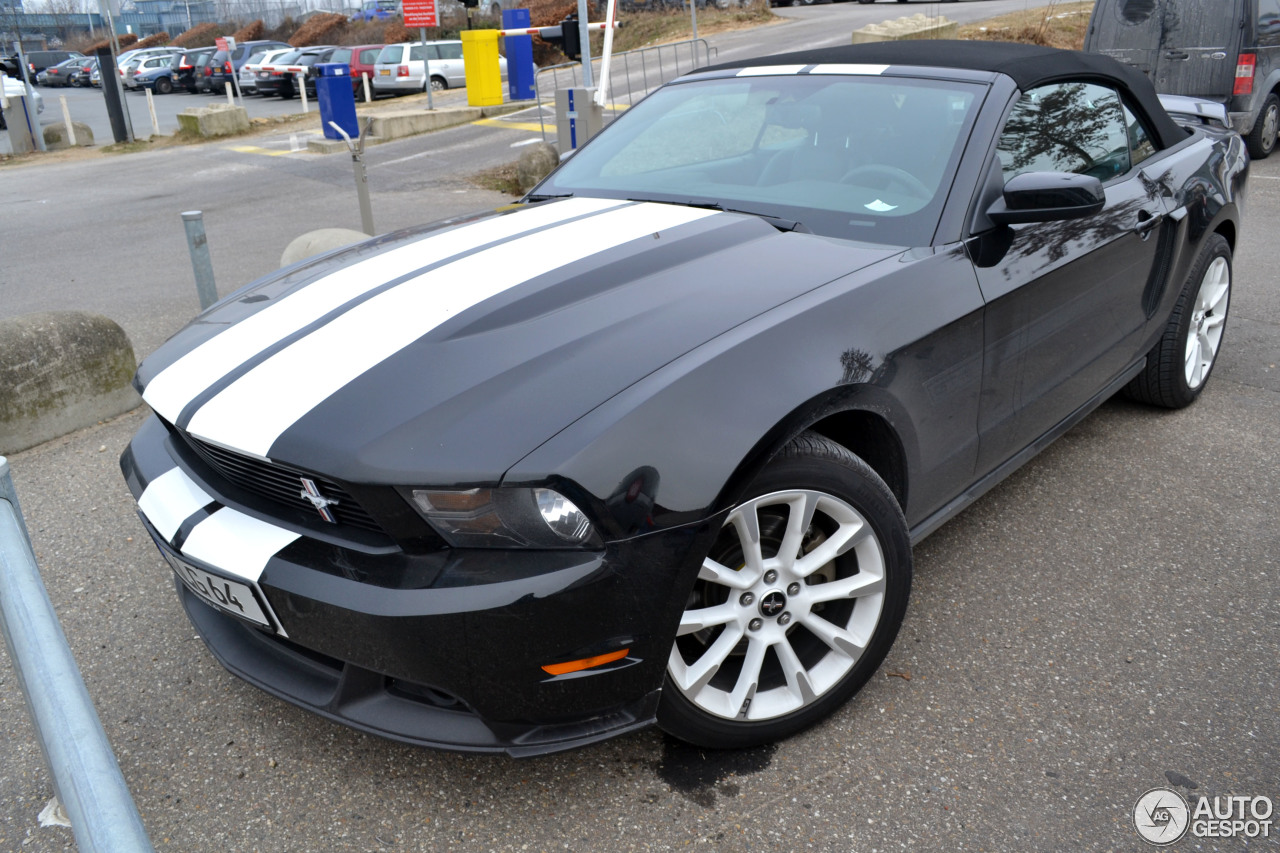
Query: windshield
{"type": "Point", "coordinates": [862, 157]}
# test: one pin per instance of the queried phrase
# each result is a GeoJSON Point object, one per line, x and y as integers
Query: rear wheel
{"type": "Point", "coordinates": [1262, 139]}
{"type": "Point", "coordinates": [796, 604]}
{"type": "Point", "coordinates": [1180, 364]}
{"type": "Point", "coordinates": [438, 83]}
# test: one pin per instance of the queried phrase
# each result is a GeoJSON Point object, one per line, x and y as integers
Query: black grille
{"type": "Point", "coordinates": [280, 484]}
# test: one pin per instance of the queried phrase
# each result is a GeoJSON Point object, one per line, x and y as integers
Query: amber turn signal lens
{"type": "Point", "coordinates": [585, 663]}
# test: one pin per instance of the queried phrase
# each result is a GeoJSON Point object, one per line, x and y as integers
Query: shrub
{"type": "Point", "coordinates": [201, 35]}
{"type": "Point", "coordinates": [250, 32]}
{"type": "Point", "coordinates": [157, 40]}
{"type": "Point", "coordinates": [320, 28]}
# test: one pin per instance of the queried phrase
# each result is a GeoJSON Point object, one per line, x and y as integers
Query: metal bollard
{"type": "Point", "coordinates": [198, 245]}
{"type": "Point", "coordinates": [86, 776]}
{"type": "Point", "coordinates": [362, 177]}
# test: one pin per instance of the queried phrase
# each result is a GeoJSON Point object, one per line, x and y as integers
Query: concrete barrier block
{"type": "Point", "coordinates": [317, 242]}
{"type": "Point", "coordinates": [904, 29]}
{"type": "Point", "coordinates": [410, 123]}
{"type": "Point", "coordinates": [535, 163]}
{"type": "Point", "coordinates": [55, 135]}
{"type": "Point", "coordinates": [61, 371]}
{"type": "Point", "coordinates": [214, 120]}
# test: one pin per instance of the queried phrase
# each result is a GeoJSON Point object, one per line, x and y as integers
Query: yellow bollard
{"type": "Point", "coordinates": [484, 77]}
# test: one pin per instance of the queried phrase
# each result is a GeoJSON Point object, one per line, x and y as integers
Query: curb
{"type": "Point", "coordinates": [401, 123]}
{"type": "Point", "coordinates": [61, 371]}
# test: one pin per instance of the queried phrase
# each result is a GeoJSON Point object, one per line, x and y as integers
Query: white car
{"type": "Point", "coordinates": [249, 71]}
{"type": "Point", "coordinates": [399, 69]}
{"type": "Point", "coordinates": [12, 88]}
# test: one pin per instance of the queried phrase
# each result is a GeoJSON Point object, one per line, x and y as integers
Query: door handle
{"type": "Point", "coordinates": [1147, 221]}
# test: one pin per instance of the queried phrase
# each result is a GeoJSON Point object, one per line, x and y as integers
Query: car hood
{"type": "Point", "coordinates": [445, 355]}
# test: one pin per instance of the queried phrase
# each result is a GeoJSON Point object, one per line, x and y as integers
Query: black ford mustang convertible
{"type": "Point", "coordinates": [655, 443]}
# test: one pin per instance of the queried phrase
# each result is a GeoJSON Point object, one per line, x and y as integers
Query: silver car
{"type": "Point", "coordinates": [399, 69]}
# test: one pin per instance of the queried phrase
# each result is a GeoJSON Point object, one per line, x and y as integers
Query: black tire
{"type": "Point", "coordinates": [1167, 381]}
{"type": "Point", "coordinates": [719, 673]}
{"type": "Point", "coordinates": [438, 83]}
{"type": "Point", "coordinates": [163, 85]}
{"type": "Point", "coordinates": [1262, 139]}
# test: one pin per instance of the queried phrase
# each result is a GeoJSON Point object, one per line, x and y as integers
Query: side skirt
{"type": "Point", "coordinates": [980, 488]}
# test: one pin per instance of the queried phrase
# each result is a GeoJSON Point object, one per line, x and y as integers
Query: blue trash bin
{"type": "Point", "coordinates": [337, 100]}
{"type": "Point", "coordinates": [520, 67]}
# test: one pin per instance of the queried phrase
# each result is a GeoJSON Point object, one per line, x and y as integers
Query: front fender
{"type": "Point", "coordinates": [902, 338]}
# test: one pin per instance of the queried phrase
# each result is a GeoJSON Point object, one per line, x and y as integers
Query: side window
{"type": "Point", "coordinates": [1140, 145]}
{"type": "Point", "coordinates": [450, 51]}
{"type": "Point", "coordinates": [340, 55]}
{"type": "Point", "coordinates": [1268, 22]}
{"type": "Point", "coordinates": [1066, 127]}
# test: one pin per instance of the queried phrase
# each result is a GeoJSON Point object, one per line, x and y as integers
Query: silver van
{"type": "Point", "coordinates": [1226, 51]}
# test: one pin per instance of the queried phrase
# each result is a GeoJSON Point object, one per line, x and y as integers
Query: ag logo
{"type": "Point", "coordinates": [1161, 816]}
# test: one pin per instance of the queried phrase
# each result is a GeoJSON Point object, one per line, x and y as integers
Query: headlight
{"type": "Point", "coordinates": [506, 518]}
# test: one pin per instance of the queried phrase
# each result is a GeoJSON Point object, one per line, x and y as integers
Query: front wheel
{"type": "Point", "coordinates": [164, 85]}
{"type": "Point", "coordinates": [1181, 362]}
{"type": "Point", "coordinates": [796, 604]}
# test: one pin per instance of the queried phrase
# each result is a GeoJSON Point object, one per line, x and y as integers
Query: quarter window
{"type": "Point", "coordinates": [1067, 127]}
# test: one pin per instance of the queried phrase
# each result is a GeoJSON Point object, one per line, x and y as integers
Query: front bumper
{"type": "Point", "coordinates": [442, 648]}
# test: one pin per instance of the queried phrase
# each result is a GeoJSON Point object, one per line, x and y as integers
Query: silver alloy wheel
{"type": "Point", "coordinates": [1209, 313]}
{"type": "Point", "coordinates": [771, 600]}
{"type": "Point", "coordinates": [1271, 124]}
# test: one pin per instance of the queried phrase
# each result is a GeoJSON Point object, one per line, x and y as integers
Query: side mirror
{"type": "Point", "coordinates": [1047, 197]}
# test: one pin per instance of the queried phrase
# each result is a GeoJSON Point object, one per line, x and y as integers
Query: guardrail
{"type": "Point", "coordinates": [85, 774]}
{"type": "Point", "coordinates": [633, 72]}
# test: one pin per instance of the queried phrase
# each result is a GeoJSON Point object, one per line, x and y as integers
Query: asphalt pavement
{"type": "Point", "coordinates": [1104, 622]}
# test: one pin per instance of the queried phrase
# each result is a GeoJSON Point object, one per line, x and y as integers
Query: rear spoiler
{"type": "Point", "coordinates": [1193, 112]}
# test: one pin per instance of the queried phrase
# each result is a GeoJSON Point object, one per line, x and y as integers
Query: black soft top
{"type": "Point", "coordinates": [1029, 66]}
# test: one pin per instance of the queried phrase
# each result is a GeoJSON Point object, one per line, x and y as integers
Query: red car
{"type": "Point", "coordinates": [361, 59]}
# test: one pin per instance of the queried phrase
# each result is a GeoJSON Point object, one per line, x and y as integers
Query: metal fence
{"type": "Point", "coordinates": [85, 775]}
{"type": "Point", "coordinates": [632, 74]}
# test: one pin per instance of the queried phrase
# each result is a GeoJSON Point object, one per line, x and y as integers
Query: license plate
{"type": "Point", "coordinates": [234, 597]}
{"type": "Point", "coordinates": [384, 72]}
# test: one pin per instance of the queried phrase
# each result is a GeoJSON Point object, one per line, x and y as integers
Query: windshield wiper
{"type": "Point", "coordinates": [547, 196]}
{"type": "Point", "coordinates": [778, 222]}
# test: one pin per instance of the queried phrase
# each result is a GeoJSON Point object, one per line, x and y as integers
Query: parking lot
{"type": "Point", "coordinates": [1104, 622]}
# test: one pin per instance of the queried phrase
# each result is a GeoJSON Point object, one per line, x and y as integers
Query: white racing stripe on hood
{"type": "Point", "coordinates": [235, 543]}
{"type": "Point", "coordinates": [252, 412]}
{"type": "Point", "coordinates": [177, 385]}
{"type": "Point", "coordinates": [169, 500]}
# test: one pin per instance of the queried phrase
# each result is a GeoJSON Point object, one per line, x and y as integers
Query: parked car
{"type": "Point", "coordinates": [249, 71]}
{"type": "Point", "coordinates": [159, 74]}
{"type": "Point", "coordinates": [154, 72]}
{"type": "Point", "coordinates": [129, 61]}
{"type": "Point", "coordinates": [377, 10]}
{"type": "Point", "coordinates": [83, 70]}
{"type": "Point", "coordinates": [225, 65]}
{"type": "Point", "coordinates": [280, 77]}
{"type": "Point", "coordinates": [189, 73]}
{"type": "Point", "coordinates": [201, 72]}
{"type": "Point", "coordinates": [15, 88]}
{"type": "Point", "coordinates": [361, 59]}
{"type": "Point", "coordinates": [1228, 52]}
{"type": "Point", "coordinates": [60, 74]}
{"type": "Point", "coordinates": [655, 443]}
{"type": "Point", "coordinates": [399, 69]}
{"type": "Point", "coordinates": [37, 61]}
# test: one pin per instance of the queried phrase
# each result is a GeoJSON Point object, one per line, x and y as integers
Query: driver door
{"type": "Point", "coordinates": [1065, 304]}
